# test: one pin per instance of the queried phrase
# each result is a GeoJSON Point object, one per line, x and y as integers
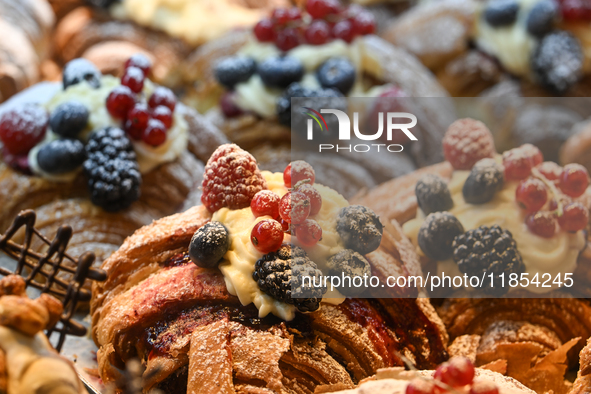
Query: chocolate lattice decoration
{"type": "Point", "coordinates": [41, 270]}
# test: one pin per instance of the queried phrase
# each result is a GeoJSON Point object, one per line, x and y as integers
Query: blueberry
{"type": "Point", "coordinates": [485, 179]}
{"type": "Point", "coordinates": [338, 73]}
{"type": "Point", "coordinates": [233, 70]}
{"type": "Point", "coordinates": [501, 12]}
{"type": "Point", "coordinates": [79, 70]}
{"type": "Point", "coordinates": [541, 18]}
{"type": "Point", "coordinates": [360, 228]}
{"type": "Point", "coordinates": [209, 244]}
{"type": "Point", "coordinates": [69, 119]}
{"type": "Point", "coordinates": [281, 71]}
{"type": "Point", "coordinates": [432, 194]}
{"type": "Point", "coordinates": [351, 264]}
{"type": "Point", "coordinates": [437, 234]}
{"type": "Point", "coordinates": [557, 62]}
{"type": "Point", "coordinates": [318, 98]}
{"type": "Point", "coordinates": [61, 156]}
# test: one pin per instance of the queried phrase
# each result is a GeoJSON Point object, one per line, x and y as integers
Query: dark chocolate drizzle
{"type": "Point", "coordinates": [40, 270]}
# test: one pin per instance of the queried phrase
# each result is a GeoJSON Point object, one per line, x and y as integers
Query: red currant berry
{"type": "Point", "coordinates": [294, 207]}
{"type": "Point", "coordinates": [317, 33]}
{"type": "Point", "coordinates": [574, 217]}
{"type": "Point", "coordinates": [389, 103]}
{"type": "Point", "coordinates": [483, 387]}
{"type": "Point", "coordinates": [23, 127]}
{"type": "Point", "coordinates": [298, 171]}
{"type": "Point", "coordinates": [267, 236]}
{"type": "Point", "coordinates": [542, 223]}
{"type": "Point", "coordinates": [319, 9]}
{"type": "Point", "coordinates": [137, 121]}
{"type": "Point", "coordinates": [294, 14]}
{"type": "Point", "coordinates": [280, 16]}
{"type": "Point", "coordinates": [343, 30]}
{"type": "Point", "coordinates": [287, 39]}
{"type": "Point", "coordinates": [564, 200]}
{"type": "Point", "coordinates": [140, 61]}
{"type": "Point", "coordinates": [162, 96]}
{"type": "Point", "coordinates": [420, 386]}
{"type": "Point", "coordinates": [531, 194]}
{"type": "Point", "coordinates": [364, 23]}
{"type": "Point", "coordinates": [518, 162]}
{"type": "Point", "coordinates": [574, 180]}
{"type": "Point", "coordinates": [163, 114]}
{"type": "Point", "coordinates": [133, 78]}
{"type": "Point", "coordinates": [264, 30]}
{"type": "Point", "coordinates": [120, 101]}
{"type": "Point", "coordinates": [264, 203]}
{"type": "Point", "coordinates": [550, 170]}
{"type": "Point", "coordinates": [309, 233]}
{"type": "Point", "coordinates": [229, 107]}
{"type": "Point", "coordinates": [459, 372]}
{"type": "Point", "coordinates": [575, 9]}
{"type": "Point", "coordinates": [314, 196]}
{"type": "Point", "coordinates": [155, 133]}
{"type": "Point", "coordinates": [284, 224]}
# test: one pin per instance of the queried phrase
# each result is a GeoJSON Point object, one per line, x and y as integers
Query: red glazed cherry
{"type": "Point", "coordinates": [542, 223]}
{"type": "Point", "coordinates": [229, 107]}
{"type": "Point", "coordinates": [298, 171]}
{"type": "Point", "coordinates": [317, 33]}
{"type": "Point", "coordinates": [309, 233]}
{"type": "Point", "coordinates": [264, 203]}
{"type": "Point", "coordinates": [294, 207]}
{"type": "Point", "coordinates": [420, 386]}
{"type": "Point", "coordinates": [343, 30]}
{"type": "Point", "coordinates": [120, 101]}
{"type": "Point", "coordinates": [314, 196]}
{"type": "Point", "coordinates": [162, 96]}
{"type": "Point", "coordinates": [531, 194]}
{"type": "Point", "coordinates": [574, 180]}
{"type": "Point", "coordinates": [23, 127]}
{"type": "Point", "coordinates": [140, 61]}
{"type": "Point", "coordinates": [483, 387]}
{"type": "Point", "coordinates": [550, 170]}
{"type": "Point", "coordinates": [155, 133]}
{"type": "Point", "coordinates": [574, 217]}
{"type": "Point", "coordinates": [287, 39]}
{"type": "Point", "coordinates": [267, 236]}
{"type": "Point", "coordinates": [264, 30]}
{"type": "Point", "coordinates": [364, 23]}
{"type": "Point", "coordinates": [137, 120]}
{"type": "Point", "coordinates": [163, 114]}
{"type": "Point", "coordinates": [518, 162]}
{"type": "Point", "coordinates": [319, 9]}
{"type": "Point", "coordinates": [133, 78]}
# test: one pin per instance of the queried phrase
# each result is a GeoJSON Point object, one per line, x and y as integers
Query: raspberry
{"type": "Point", "coordinates": [231, 179]}
{"type": "Point", "coordinates": [518, 162]}
{"type": "Point", "coordinates": [466, 141]}
{"type": "Point", "coordinates": [22, 128]}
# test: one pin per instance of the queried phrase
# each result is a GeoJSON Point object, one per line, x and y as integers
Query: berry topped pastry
{"type": "Point", "coordinates": [96, 143]}
{"type": "Point", "coordinates": [230, 296]}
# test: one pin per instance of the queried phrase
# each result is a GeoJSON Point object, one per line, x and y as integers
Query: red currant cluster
{"type": "Point", "coordinates": [149, 121]}
{"type": "Point", "coordinates": [547, 184]}
{"type": "Point", "coordinates": [457, 373]}
{"type": "Point", "coordinates": [290, 212]}
{"type": "Point", "coordinates": [325, 20]}
{"type": "Point", "coordinates": [575, 9]}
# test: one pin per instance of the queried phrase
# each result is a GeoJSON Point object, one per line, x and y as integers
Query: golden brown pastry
{"type": "Point", "coordinates": [582, 383]}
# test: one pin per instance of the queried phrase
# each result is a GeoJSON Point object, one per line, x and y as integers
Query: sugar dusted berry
{"type": "Point", "coordinates": [485, 179]}
{"type": "Point", "coordinates": [287, 39]}
{"type": "Point", "coordinates": [137, 121]}
{"type": "Point", "coordinates": [281, 71]}
{"type": "Point", "coordinates": [69, 119]}
{"type": "Point", "coordinates": [558, 61]}
{"type": "Point", "coordinates": [162, 96]}
{"type": "Point", "coordinates": [264, 30]}
{"type": "Point", "coordinates": [320, 9]}
{"type": "Point", "coordinates": [120, 101]}
{"type": "Point", "coordinates": [349, 263]}
{"type": "Point", "coordinates": [309, 233]}
{"type": "Point", "coordinates": [433, 194]}
{"type": "Point", "coordinates": [518, 162]}
{"type": "Point", "coordinates": [542, 223]}
{"type": "Point", "coordinates": [140, 61]}
{"type": "Point", "coordinates": [294, 207]}
{"type": "Point", "coordinates": [233, 70]}
{"type": "Point", "coordinates": [231, 179]}
{"type": "Point", "coordinates": [318, 32]}
{"type": "Point", "coordinates": [209, 244]}
{"type": "Point", "coordinates": [265, 203]}
{"type": "Point", "coordinates": [163, 114]}
{"type": "Point", "coordinates": [575, 217]}
{"type": "Point", "coordinates": [155, 133]}
{"type": "Point", "coordinates": [267, 235]}
{"type": "Point", "coordinates": [79, 70]}
{"type": "Point", "coordinates": [360, 228]}
{"type": "Point", "coordinates": [420, 386]}
{"type": "Point", "coordinates": [315, 198]}
{"type": "Point", "coordinates": [229, 107]}
{"type": "Point", "coordinates": [133, 78]}
{"type": "Point", "coordinates": [550, 170]}
{"type": "Point", "coordinates": [574, 180]}
{"type": "Point", "coordinates": [531, 194]}
{"type": "Point", "coordinates": [467, 141]}
{"type": "Point", "coordinates": [364, 23]}
{"type": "Point", "coordinates": [61, 156]}
{"type": "Point", "coordinates": [437, 234]}
{"type": "Point", "coordinates": [338, 73]}
{"type": "Point", "coordinates": [457, 372]}
{"type": "Point", "coordinates": [344, 30]}
{"type": "Point", "coordinates": [298, 171]}
{"type": "Point", "coordinates": [23, 127]}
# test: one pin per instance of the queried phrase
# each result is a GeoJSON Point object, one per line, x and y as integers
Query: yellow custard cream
{"type": "Point", "coordinates": [148, 157]}
{"type": "Point", "coordinates": [238, 263]}
{"type": "Point", "coordinates": [540, 255]}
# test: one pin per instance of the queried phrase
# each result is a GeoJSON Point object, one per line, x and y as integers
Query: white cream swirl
{"type": "Point", "coordinates": [238, 263]}
{"type": "Point", "coordinates": [540, 255]}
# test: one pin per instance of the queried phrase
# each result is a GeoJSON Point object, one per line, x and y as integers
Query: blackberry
{"type": "Point", "coordinates": [318, 98]}
{"type": "Point", "coordinates": [348, 263]}
{"type": "Point", "coordinates": [233, 70]}
{"type": "Point", "coordinates": [485, 179]}
{"type": "Point", "coordinates": [111, 169]}
{"type": "Point", "coordinates": [360, 228]}
{"type": "Point", "coordinates": [209, 244]}
{"type": "Point", "coordinates": [437, 234]}
{"type": "Point", "coordinates": [432, 194]}
{"type": "Point", "coordinates": [280, 274]}
{"type": "Point", "coordinates": [488, 250]}
{"type": "Point", "coordinates": [557, 62]}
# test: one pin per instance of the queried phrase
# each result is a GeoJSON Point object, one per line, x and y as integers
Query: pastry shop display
{"type": "Point", "coordinates": [205, 297]}
{"type": "Point", "coordinates": [108, 155]}
{"type": "Point", "coordinates": [26, 28]}
{"type": "Point", "coordinates": [472, 45]}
